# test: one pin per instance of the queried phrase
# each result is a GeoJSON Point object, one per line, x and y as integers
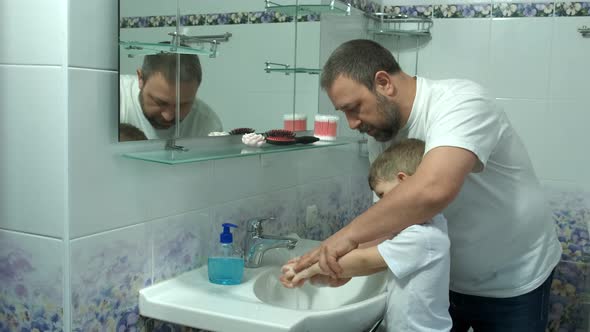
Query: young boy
{"type": "Point", "coordinates": [418, 256]}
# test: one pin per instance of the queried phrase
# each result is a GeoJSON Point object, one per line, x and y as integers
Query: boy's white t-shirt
{"type": "Point", "coordinates": [503, 238]}
{"type": "Point", "coordinates": [200, 121]}
{"type": "Point", "coordinates": [418, 292]}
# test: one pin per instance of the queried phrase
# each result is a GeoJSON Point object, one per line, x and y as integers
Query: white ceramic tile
{"type": "Point", "coordinates": [570, 72]}
{"type": "Point", "coordinates": [31, 275]}
{"type": "Point", "coordinates": [329, 162]}
{"type": "Point", "coordinates": [107, 272]}
{"type": "Point", "coordinates": [556, 137]}
{"type": "Point", "coordinates": [530, 121]}
{"type": "Point", "coordinates": [566, 144]}
{"type": "Point", "coordinates": [250, 176]}
{"type": "Point", "coordinates": [33, 148]}
{"type": "Point", "coordinates": [520, 51]}
{"type": "Point", "coordinates": [565, 185]}
{"type": "Point", "coordinates": [180, 243]}
{"type": "Point", "coordinates": [33, 32]}
{"type": "Point", "coordinates": [93, 33]}
{"type": "Point", "coordinates": [458, 49]}
{"type": "Point", "coordinates": [108, 191]}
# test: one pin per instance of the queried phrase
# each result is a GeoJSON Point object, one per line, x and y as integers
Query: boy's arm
{"type": "Point", "coordinates": [359, 262]}
{"type": "Point", "coordinates": [362, 262]}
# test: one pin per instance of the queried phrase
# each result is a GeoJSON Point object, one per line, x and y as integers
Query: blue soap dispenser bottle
{"type": "Point", "coordinates": [225, 265]}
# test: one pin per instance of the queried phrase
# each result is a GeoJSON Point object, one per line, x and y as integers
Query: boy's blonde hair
{"type": "Point", "coordinates": [403, 156]}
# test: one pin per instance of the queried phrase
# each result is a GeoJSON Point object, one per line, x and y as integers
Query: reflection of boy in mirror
{"type": "Point", "coordinates": [129, 132]}
{"type": "Point", "coordinates": [148, 101]}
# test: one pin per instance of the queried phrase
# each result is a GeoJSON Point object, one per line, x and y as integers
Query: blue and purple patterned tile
{"type": "Point", "coordinates": [571, 9]}
{"type": "Point", "coordinates": [329, 199]}
{"type": "Point", "coordinates": [517, 9]}
{"type": "Point", "coordinates": [107, 272]}
{"type": "Point", "coordinates": [422, 11]}
{"type": "Point", "coordinates": [160, 326]}
{"type": "Point", "coordinates": [361, 196]}
{"type": "Point", "coordinates": [476, 10]}
{"type": "Point", "coordinates": [277, 204]}
{"type": "Point", "coordinates": [31, 276]}
{"type": "Point", "coordinates": [179, 244]}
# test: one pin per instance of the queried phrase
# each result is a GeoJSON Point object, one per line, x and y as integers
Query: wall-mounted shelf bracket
{"type": "Point", "coordinates": [400, 25]}
{"type": "Point", "coordinates": [585, 31]}
{"type": "Point", "coordinates": [333, 8]}
{"type": "Point", "coordinates": [273, 67]}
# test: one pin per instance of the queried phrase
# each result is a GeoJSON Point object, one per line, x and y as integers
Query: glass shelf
{"type": "Point", "coordinates": [293, 10]}
{"type": "Point", "coordinates": [172, 157]}
{"type": "Point", "coordinates": [287, 71]}
{"type": "Point", "coordinates": [141, 48]}
{"type": "Point", "coordinates": [399, 25]}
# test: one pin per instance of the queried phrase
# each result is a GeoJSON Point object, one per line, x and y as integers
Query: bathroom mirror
{"type": "Point", "coordinates": [235, 85]}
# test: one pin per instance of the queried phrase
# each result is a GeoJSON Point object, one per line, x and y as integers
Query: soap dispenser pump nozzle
{"type": "Point", "coordinates": [226, 236]}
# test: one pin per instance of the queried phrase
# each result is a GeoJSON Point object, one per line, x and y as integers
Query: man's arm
{"type": "Point", "coordinates": [359, 262]}
{"type": "Point", "coordinates": [435, 184]}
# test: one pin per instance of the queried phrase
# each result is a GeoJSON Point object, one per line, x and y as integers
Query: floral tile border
{"type": "Point", "coordinates": [497, 9]}
{"type": "Point", "coordinates": [524, 9]}
{"type": "Point", "coordinates": [572, 8]}
{"type": "Point", "coordinates": [255, 17]}
{"type": "Point", "coordinates": [459, 10]}
{"type": "Point", "coordinates": [424, 11]}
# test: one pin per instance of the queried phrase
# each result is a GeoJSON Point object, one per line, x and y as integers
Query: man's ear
{"type": "Point", "coordinates": [384, 83]}
{"type": "Point", "coordinates": [140, 78]}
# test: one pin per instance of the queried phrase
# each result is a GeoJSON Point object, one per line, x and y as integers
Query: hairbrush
{"type": "Point", "coordinates": [283, 140]}
{"type": "Point", "coordinates": [241, 131]}
{"type": "Point", "coordinates": [279, 133]}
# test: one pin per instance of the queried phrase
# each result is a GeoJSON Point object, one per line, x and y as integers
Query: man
{"type": "Point", "coordinates": [475, 170]}
{"type": "Point", "coordinates": [148, 101]}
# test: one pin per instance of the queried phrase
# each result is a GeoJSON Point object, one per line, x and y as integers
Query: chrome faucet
{"type": "Point", "coordinates": [257, 243]}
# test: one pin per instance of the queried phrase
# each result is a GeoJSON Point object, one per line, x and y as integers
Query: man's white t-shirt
{"type": "Point", "coordinates": [200, 121]}
{"type": "Point", "coordinates": [418, 292]}
{"type": "Point", "coordinates": [503, 238]}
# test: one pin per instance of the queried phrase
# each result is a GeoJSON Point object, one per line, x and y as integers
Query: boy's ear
{"type": "Point", "coordinates": [140, 78]}
{"type": "Point", "coordinates": [401, 176]}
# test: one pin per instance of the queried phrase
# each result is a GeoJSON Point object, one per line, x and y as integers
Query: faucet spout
{"type": "Point", "coordinates": [257, 243]}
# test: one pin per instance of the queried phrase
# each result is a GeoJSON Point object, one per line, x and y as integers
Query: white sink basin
{"type": "Point", "coordinates": [268, 289]}
{"type": "Point", "coordinates": [261, 304]}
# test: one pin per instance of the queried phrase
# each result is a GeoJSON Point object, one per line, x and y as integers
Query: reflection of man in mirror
{"type": "Point", "coordinates": [148, 101]}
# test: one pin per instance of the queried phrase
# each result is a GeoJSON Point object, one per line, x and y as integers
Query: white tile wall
{"type": "Point", "coordinates": [466, 45]}
{"type": "Point", "coordinates": [33, 32]}
{"type": "Point", "coordinates": [570, 76]}
{"type": "Point", "coordinates": [93, 34]}
{"type": "Point", "coordinates": [108, 191]}
{"type": "Point", "coordinates": [33, 153]}
{"type": "Point", "coordinates": [537, 69]}
{"type": "Point", "coordinates": [520, 53]}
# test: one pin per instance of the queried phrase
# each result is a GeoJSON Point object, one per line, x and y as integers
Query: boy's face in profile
{"type": "Point", "coordinates": [385, 186]}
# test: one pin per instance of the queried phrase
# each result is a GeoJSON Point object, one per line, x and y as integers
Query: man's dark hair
{"type": "Point", "coordinates": [358, 60]}
{"type": "Point", "coordinates": [128, 132]}
{"type": "Point", "coordinates": [165, 63]}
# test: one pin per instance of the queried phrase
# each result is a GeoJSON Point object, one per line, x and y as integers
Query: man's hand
{"type": "Point", "coordinates": [327, 255]}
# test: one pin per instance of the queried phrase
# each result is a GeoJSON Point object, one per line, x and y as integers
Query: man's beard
{"type": "Point", "coordinates": [152, 119]}
{"type": "Point", "coordinates": [391, 117]}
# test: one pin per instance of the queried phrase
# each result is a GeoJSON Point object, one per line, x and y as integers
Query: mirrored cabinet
{"type": "Point", "coordinates": [257, 63]}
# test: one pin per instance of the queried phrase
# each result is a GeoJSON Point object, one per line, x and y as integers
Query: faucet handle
{"type": "Point", "coordinates": [255, 225]}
